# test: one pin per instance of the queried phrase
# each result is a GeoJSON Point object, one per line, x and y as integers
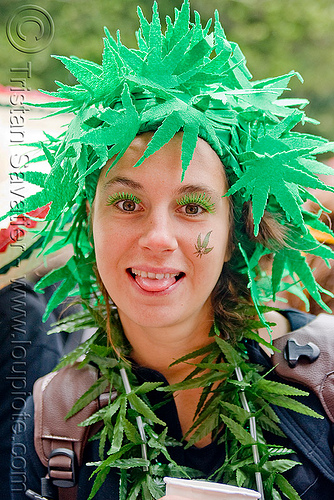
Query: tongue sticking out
{"type": "Point", "coordinates": [154, 285]}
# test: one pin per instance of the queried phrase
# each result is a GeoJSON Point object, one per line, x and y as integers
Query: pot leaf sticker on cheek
{"type": "Point", "coordinates": [202, 246]}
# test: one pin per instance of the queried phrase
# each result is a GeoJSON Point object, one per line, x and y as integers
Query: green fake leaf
{"type": "Point", "coordinates": [291, 404]}
{"type": "Point", "coordinates": [238, 431]}
{"type": "Point", "coordinates": [286, 487]}
{"type": "Point", "coordinates": [93, 392]}
{"type": "Point", "coordinates": [273, 174]}
{"type": "Point", "coordinates": [268, 425]}
{"type": "Point", "coordinates": [278, 388]}
{"type": "Point", "coordinates": [74, 355]}
{"type": "Point", "coordinates": [296, 263]}
{"type": "Point", "coordinates": [147, 387]}
{"type": "Point", "coordinates": [241, 415]}
{"type": "Point", "coordinates": [275, 466]}
{"type": "Point", "coordinates": [131, 432]}
{"type": "Point", "coordinates": [193, 355]}
{"type": "Point", "coordinates": [128, 463]}
{"type": "Point", "coordinates": [143, 409]}
{"type": "Point", "coordinates": [231, 355]}
{"type": "Point", "coordinates": [240, 477]}
{"type": "Point", "coordinates": [156, 487]}
{"type": "Point", "coordinates": [202, 381]}
{"type": "Point", "coordinates": [133, 495]}
{"type": "Point", "coordinates": [118, 430]}
{"type": "Point", "coordinates": [208, 426]}
{"type": "Point", "coordinates": [101, 477]}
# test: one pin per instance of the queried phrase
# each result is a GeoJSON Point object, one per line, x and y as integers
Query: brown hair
{"type": "Point", "coordinates": [231, 292]}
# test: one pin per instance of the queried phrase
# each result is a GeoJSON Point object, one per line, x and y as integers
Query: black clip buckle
{"type": "Point", "coordinates": [64, 483]}
{"type": "Point", "coordinates": [293, 351]}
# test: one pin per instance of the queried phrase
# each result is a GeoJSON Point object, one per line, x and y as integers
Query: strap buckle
{"type": "Point", "coordinates": [293, 351]}
{"type": "Point", "coordinates": [63, 471]}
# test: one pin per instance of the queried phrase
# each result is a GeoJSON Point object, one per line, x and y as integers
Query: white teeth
{"type": "Point", "coordinates": [153, 276]}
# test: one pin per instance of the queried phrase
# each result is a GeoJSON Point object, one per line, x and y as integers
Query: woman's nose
{"type": "Point", "coordinates": [158, 233]}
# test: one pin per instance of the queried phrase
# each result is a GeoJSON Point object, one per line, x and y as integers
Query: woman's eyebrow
{"type": "Point", "coordinates": [124, 181]}
{"type": "Point", "coordinates": [192, 188]}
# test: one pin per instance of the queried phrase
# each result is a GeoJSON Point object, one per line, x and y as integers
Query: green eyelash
{"type": "Point", "coordinates": [198, 199]}
{"type": "Point", "coordinates": [122, 196]}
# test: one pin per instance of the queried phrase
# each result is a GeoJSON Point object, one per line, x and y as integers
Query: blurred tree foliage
{"type": "Point", "coordinates": [275, 35]}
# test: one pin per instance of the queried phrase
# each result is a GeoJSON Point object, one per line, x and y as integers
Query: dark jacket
{"type": "Point", "coordinates": [312, 440]}
{"type": "Point", "coordinates": [26, 354]}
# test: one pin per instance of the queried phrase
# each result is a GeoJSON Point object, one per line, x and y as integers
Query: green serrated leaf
{"type": "Point", "coordinates": [202, 381]}
{"type": "Point", "coordinates": [93, 392]}
{"type": "Point", "coordinates": [102, 442]}
{"type": "Point", "coordinates": [279, 450]}
{"type": "Point", "coordinates": [123, 485]}
{"type": "Point", "coordinates": [99, 480]}
{"type": "Point", "coordinates": [147, 387]}
{"type": "Point", "coordinates": [240, 477]}
{"type": "Point", "coordinates": [229, 352]}
{"type": "Point", "coordinates": [209, 425]}
{"type": "Point", "coordinates": [131, 432]}
{"type": "Point", "coordinates": [156, 487]}
{"type": "Point", "coordinates": [193, 355]}
{"type": "Point", "coordinates": [128, 463]}
{"type": "Point", "coordinates": [241, 414]}
{"type": "Point", "coordinates": [96, 417]}
{"type": "Point", "coordinates": [268, 425]}
{"type": "Point", "coordinates": [143, 409]}
{"type": "Point", "coordinates": [286, 487]}
{"type": "Point", "coordinates": [118, 430]}
{"type": "Point", "coordinates": [73, 356]}
{"type": "Point", "coordinates": [238, 431]}
{"type": "Point", "coordinates": [275, 494]}
{"type": "Point", "coordinates": [135, 490]}
{"type": "Point", "coordinates": [275, 466]}
{"type": "Point", "coordinates": [291, 404]}
{"type": "Point", "coordinates": [278, 388]}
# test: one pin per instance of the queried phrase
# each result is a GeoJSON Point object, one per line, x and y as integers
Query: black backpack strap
{"type": "Point", "coordinates": [60, 443]}
{"type": "Point", "coordinates": [307, 358]}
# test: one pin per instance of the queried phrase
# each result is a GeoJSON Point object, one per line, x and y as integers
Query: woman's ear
{"type": "Point", "coordinates": [229, 251]}
{"type": "Point", "coordinates": [88, 208]}
{"type": "Point", "coordinates": [89, 212]}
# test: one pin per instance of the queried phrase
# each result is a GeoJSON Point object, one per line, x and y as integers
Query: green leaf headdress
{"type": "Point", "coordinates": [194, 80]}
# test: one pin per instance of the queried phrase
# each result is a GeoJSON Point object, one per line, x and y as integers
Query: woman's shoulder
{"type": "Point", "coordinates": [284, 321]}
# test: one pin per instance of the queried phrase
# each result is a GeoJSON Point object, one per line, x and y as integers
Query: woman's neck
{"type": "Point", "coordinates": [158, 348]}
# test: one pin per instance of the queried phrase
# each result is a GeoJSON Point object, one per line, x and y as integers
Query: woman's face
{"type": "Point", "coordinates": [149, 228]}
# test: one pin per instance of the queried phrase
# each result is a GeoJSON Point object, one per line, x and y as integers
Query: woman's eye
{"type": "Point", "coordinates": [125, 202]}
{"type": "Point", "coordinates": [127, 205]}
{"type": "Point", "coordinates": [193, 209]}
{"type": "Point", "coordinates": [195, 204]}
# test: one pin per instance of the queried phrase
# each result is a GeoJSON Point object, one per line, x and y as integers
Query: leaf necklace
{"type": "Point", "coordinates": [235, 394]}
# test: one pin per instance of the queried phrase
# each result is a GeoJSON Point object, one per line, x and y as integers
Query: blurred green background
{"type": "Point", "coordinates": [275, 35]}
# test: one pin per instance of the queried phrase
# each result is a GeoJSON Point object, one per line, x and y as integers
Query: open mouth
{"type": "Point", "coordinates": [154, 282]}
